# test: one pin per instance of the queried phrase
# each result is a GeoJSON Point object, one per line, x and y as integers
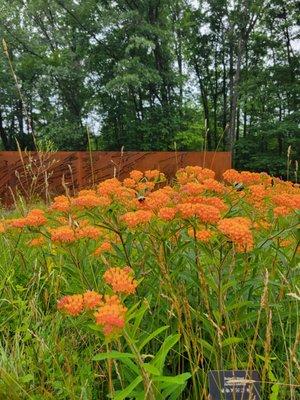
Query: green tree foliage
{"type": "Point", "coordinates": [210, 74]}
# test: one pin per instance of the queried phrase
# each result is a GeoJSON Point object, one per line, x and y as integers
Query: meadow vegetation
{"type": "Point", "coordinates": [135, 289]}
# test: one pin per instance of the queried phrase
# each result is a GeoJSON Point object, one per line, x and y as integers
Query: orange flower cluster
{"type": "Point", "coordinates": [88, 232]}
{"type": "Point", "coordinates": [135, 218]}
{"type": "Point", "coordinates": [61, 203]}
{"type": "Point", "coordinates": [72, 305]}
{"type": "Point", "coordinates": [246, 177]}
{"type": "Point", "coordinates": [238, 231]}
{"type": "Point", "coordinates": [249, 178]}
{"type": "Point", "coordinates": [63, 234]}
{"type": "Point", "coordinates": [136, 175]}
{"type": "Point", "coordinates": [142, 187]}
{"type": "Point", "coordinates": [257, 195]}
{"type": "Point", "coordinates": [194, 174]}
{"type": "Point", "coordinates": [216, 202]}
{"type": "Point", "coordinates": [154, 174]}
{"type": "Point", "coordinates": [109, 311]}
{"type": "Point", "coordinates": [76, 303]}
{"type": "Point", "coordinates": [90, 200]}
{"type": "Point", "coordinates": [261, 224]}
{"type": "Point", "coordinates": [129, 183]}
{"type": "Point", "coordinates": [2, 228]}
{"type": "Point", "coordinates": [37, 242]}
{"type": "Point", "coordinates": [35, 218]}
{"type": "Point", "coordinates": [213, 186]}
{"type": "Point", "coordinates": [206, 213]}
{"type": "Point", "coordinates": [68, 234]}
{"type": "Point", "coordinates": [121, 280]}
{"type": "Point", "coordinates": [111, 315]}
{"type": "Point", "coordinates": [282, 211]}
{"type": "Point", "coordinates": [286, 243]}
{"type": "Point", "coordinates": [167, 213]}
{"type": "Point", "coordinates": [91, 299]}
{"type": "Point", "coordinates": [291, 201]}
{"type": "Point", "coordinates": [203, 235]}
{"type": "Point", "coordinates": [103, 248]}
{"type": "Point", "coordinates": [210, 201]}
{"type": "Point", "coordinates": [231, 176]}
{"type": "Point", "coordinates": [193, 188]}
{"type": "Point", "coordinates": [156, 199]}
{"type": "Point", "coordinates": [109, 187]}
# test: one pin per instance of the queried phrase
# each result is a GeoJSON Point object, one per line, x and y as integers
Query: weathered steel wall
{"type": "Point", "coordinates": [75, 170]}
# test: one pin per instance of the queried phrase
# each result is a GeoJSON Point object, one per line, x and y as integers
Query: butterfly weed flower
{"type": "Point", "coordinates": [2, 228]}
{"type": "Point", "coordinates": [145, 186]}
{"type": "Point", "coordinates": [129, 183]}
{"type": "Point", "coordinates": [248, 178]}
{"type": "Point", "coordinates": [91, 299]}
{"type": "Point", "coordinates": [152, 174]}
{"type": "Point", "coordinates": [88, 232]}
{"type": "Point", "coordinates": [63, 234]}
{"type": "Point", "coordinates": [61, 203]}
{"type": "Point", "coordinates": [72, 305]}
{"type": "Point", "coordinates": [213, 185]}
{"type": "Point", "coordinates": [167, 213]}
{"type": "Point", "coordinates": [203, 235]}
{"type": "Point", "coordinates": [136, 175]}
{"type": "Point", "coordinates": [156, 199]}
{"type": "Point", "coordinates": [287, 200]}
{"type": "Point", "coordinates": [121, 280]}
{"type": "Point", "coordinates": [238, 231]}
{"type": "Point", "coordinates": [109, 187]}
{"type": "Point", "coordinates": [91, 201]}
{"type": "Point", "coordinates": [35, 218]}
{"type": "Point", "coordinates": [206, 213]}
{"type": "Point", "coordinates": [105, 247]}
{"type": "Point", "coordinates": [210, 201]}
{"type": "Point", "coordinates": [37, 242]}
{"type": "Point", "coordinates": [282, 211]}
{"type": "Point", "coordinates": [111, 315]}
{"type": "Point", "coordinates": [135, 218]}
{"type": "Point", "coordinates": [232, 176]}
{"type": "Point", "coordinates": [193, 188]}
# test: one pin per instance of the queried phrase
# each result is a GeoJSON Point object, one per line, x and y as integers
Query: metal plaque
{"type": "Point", "coordinates": [234, 385]}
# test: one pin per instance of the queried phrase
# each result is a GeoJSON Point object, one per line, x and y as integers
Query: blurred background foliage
{"type": "Point", "coordinates": [146, 74]}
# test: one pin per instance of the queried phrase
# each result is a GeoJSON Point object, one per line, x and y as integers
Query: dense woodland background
{"type": "Point", "coordinates": [153, 75]}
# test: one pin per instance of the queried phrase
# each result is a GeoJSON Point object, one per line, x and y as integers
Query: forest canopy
{"type": "Point", "coordinates": [153, 75]}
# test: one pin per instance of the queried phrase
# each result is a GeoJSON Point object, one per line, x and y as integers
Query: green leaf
{"type": "Point", "coordinates": [27, 378]}
{"type": "Point", "coordinates": [159, 359]}
{"type": "Point", "coordinates": [152, 336]}
{"type": "Point", "coordinates": [112, 355]}
{"type": "Point", "coordinates": [130, 365]}
{"type": "Point", "coordinates": [151, 369]}
{"type": "Point", "coordinates": [173, 380]}
{"type": "Point", "coordinates": [126, 392]}
{"type": "Point", "coordinates": [207, 346]}
{"type": "Point", "coordinates": [173, 392]}
{"type": "Point", "coordinates": [138, 317]}
{"type": "Point", "coordinates": [231, 340]}
{"type": "Point", "coordinates": [234, 306]}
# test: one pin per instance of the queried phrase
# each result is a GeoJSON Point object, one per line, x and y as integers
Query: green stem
{"type": "Point", "coordinates": [148, 387]}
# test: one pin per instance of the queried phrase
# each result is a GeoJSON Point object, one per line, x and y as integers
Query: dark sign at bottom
{"type": "Point", "coordinates": [234, 385]}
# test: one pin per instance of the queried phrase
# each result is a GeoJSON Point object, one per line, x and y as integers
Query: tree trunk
{"type": "Point", "coordinates": [3, 134]}
{"type": "Point", "coordinates": [205, 104]}
{"type": "Point", "coordinates": [234, 97]}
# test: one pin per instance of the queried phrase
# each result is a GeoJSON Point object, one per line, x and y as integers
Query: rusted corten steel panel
{"type": "Point", "coordinates": [76, 170]}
